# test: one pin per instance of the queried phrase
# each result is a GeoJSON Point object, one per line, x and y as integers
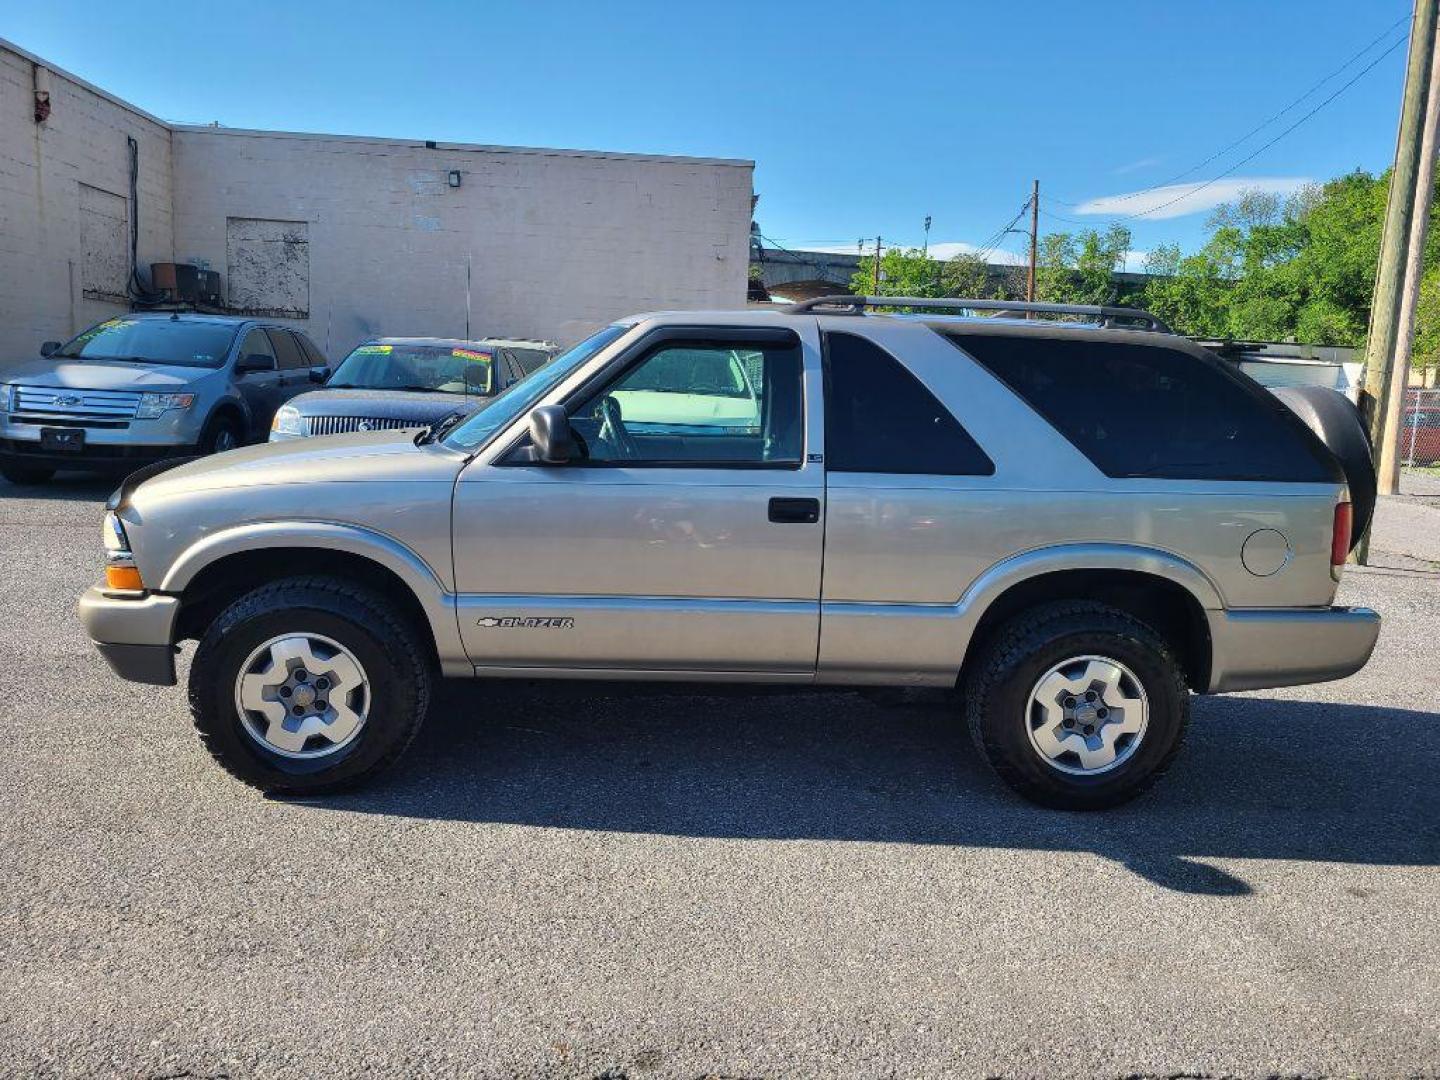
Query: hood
{"type": "Point", "coordinates": [384, 456]}
{"type": "Point", "coordinates": [102, 374]}
{"type": "Point", "coordinates": [419, 406]}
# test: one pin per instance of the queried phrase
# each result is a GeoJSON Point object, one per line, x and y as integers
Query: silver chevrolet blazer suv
{"type": "Point", "coordinates": [1070, 525]}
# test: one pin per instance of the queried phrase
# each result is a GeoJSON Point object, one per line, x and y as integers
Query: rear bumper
{"type": "Point", "coordinates": [1255, 650]}
{"type": "Point", "coordinates": [134, 634]}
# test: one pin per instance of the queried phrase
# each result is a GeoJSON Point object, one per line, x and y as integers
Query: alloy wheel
{"type": "Point", "coordinates": [1087, 715]}
{"type": "Point", "coordinates": [302, 696]}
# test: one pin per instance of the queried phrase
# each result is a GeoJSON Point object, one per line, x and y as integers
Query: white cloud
{"type": "Point", "coordinates": [1135, 166]}
{"type": "Point", "coordinates": [1178, 200]}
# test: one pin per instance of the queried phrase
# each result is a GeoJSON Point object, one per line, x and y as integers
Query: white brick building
{"type": "Point", "coordinates": [347, 237]}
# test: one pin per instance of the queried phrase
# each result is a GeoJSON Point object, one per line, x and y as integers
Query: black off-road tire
{"type": "Point", "coordinates": [997, 689]}
{"type": "Point", "coordinates": [25, 474]}
{"type": "Point", "coordinates": [217, 429]}
{"type": "Point", "coordinates": [381, 638]}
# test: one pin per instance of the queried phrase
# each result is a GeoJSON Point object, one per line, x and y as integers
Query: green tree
{"type": "Point", "coordinates": [1427, 321]}
{"type": "Point", "coordinates": [1055, 268]}
{"type": "Point", "coordinates": [967, 274]}
{"type": "Point", "coordinates": [1302, 269]}
{"type": "Point", "coordinates": [910, 272]}
{"type": "Point", "coordinates": [1080, 268]}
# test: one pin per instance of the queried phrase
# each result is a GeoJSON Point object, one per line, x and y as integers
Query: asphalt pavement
{"type": "Point", "coordinates": [583, 881]}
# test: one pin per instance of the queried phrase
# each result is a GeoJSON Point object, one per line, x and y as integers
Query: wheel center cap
{"type": "Point", "coordinates": [1085, 713]}
{"type": "Point", "coordinates": [304, 695]}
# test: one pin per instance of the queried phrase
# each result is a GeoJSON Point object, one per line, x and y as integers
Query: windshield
{"type": "Point", "coordinates": [517, 397]}
{"type": "Point", "coordinates": [443, 368]}
{"type": "Point", "coordinates": [154, 341]}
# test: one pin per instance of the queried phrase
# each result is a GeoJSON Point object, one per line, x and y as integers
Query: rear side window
{"type": "Point", "coordinates": [530, 359]}
{"type": "Point", "coordinates": [879, 418]}
{"type": "Point", "coordinates": [1144, 410]}
{"type": "Point", "coordinates": [312, 352]}
{"type": "Point", "coordinates": [287, 352]}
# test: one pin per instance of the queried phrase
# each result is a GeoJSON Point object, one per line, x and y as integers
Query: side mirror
{"type": "Point", "coordinates": [254, 362]}
{"type": "Point", "coordinates": [319, 374]}
{"type": "Point", "coordinates": [550, 435]}
{"type": "Point", "coordinates": [49, 348]}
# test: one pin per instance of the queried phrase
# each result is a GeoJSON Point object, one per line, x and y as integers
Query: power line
{"type": "Point", "coordinates": [1062, 217]}
{"type": "Point", "coordinates": [1251, 157]}
{"type": "Point", "coordinates": [983, 250]}
{"type": "Point", "coordinates": [998, 238]}
{"type": "Point", "coordinates": [1266, 123]}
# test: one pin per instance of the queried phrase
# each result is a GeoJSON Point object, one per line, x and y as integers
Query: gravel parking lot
{"type": "Point", "coordinates": [601, 881]}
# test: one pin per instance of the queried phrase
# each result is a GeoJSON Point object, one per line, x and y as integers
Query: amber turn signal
{"type": "Point", "coordinates": [123, 577]}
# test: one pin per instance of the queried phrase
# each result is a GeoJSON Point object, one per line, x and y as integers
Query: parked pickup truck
{"type": "Point", "coordinates": [1074, 525]}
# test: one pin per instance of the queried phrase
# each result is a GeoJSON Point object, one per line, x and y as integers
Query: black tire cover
{"type": "Point", "coordinates": [1332, 416]}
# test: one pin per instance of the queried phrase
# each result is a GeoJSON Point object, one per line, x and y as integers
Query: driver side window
{"type": "Point", "coordinates": [699, 403]}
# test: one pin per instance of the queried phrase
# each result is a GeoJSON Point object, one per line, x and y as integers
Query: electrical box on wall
{"type": "Point", "coordinates": [176, 281]}
{"type": "Point", "coordinates": [210, 288]}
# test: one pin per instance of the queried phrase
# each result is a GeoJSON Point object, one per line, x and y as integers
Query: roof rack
{"type": "Point", "coordinates": [1112, 318]}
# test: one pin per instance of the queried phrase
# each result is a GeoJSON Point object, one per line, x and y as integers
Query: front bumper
{"type": "Point", "coordinates": [116, 444]}
{"type": "Point", "coordinates": [1263, 648]}
{"type": "Point", "coordinates": [100, 456]}
{"type": "Point", "coordinates": [134, 634]}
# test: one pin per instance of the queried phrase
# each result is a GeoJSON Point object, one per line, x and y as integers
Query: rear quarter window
{"type": "Point", "coordinates": [879, 418]}
{"type": "Point", "coordinates": [1139, 410]}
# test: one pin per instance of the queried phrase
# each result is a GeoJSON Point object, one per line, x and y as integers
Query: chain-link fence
{"type": "Point", "coordinates": [1420, 429]}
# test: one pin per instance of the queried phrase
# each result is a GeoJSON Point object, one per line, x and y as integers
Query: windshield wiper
{"type": "Point", "coordinates": [358, 386]}
{"type": "Point", "coordinates": [435, 431]}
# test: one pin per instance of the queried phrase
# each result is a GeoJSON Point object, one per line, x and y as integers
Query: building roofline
{"type": "Point", "coordinates": [257, 133]}
{"type": "Point", "coordinates": [6, 43]}
{"type": "Point", "coordinates": [460, 147]}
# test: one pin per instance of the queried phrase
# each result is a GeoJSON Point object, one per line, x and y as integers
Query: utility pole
{"type": "Point", "coordinates": [1034, 240]}
{"type": "Point", "coordinates": [1387, 451]}
{"type": "Point", "coordinates": [1382, 350]}
{"type": "Point", "coordinates": [877, 267]}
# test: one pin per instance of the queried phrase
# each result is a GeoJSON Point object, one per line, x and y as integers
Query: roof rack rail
{"type": "Point", "coordinates": [1113, 318]}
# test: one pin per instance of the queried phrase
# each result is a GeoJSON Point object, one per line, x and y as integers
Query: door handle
{"type": "Point", "coordinates": [794, 511]}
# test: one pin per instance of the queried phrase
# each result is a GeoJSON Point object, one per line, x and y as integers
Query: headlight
{"type": "Point", "coordinates": [153, 405]}
{"type": "Point", "coordinates": [288, 421]}
{"type": "Point", "coordinates": [7, 397]}
{"type": "Point", "coordinates": [121, 574]}
{"type": "Point", "coordinates": [112, 533]}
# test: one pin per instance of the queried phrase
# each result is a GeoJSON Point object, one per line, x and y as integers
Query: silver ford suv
{"type": "Point", "coordinates": [1073, 525]}
{"type": "Point", "coordinates": [141, 387]}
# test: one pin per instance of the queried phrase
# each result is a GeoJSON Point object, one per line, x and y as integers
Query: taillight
{"type": "Point", "coordinates": [1340, 538]}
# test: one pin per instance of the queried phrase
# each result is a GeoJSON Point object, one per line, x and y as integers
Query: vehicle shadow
{"type": "Point", "coordinates": [1258, 779]}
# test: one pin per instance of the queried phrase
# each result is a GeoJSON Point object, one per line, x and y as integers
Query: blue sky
{"type": "Point", "coordinates": [862, 118]}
